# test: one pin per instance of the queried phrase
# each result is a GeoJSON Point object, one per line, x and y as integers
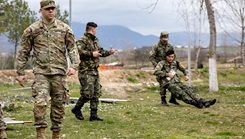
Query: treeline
{"type": "Point", "coordinates": [133, 58]}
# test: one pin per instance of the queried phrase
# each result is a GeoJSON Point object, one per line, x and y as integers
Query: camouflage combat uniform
{"type": "Point", "coordinates": [49, 47]}
{"type": "Point", "coordinates": [88, 70]}
{"type": "Point", "coordinates": [174, 85]}
{"type": "Point", "coordinates": [3, 134]}
{"type": "Point", "coordinates": [157, 54]}
{"type": "Point", "coordinates": [2, 123]}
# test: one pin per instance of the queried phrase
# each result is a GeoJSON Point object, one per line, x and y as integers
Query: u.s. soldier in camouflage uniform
{"type": "Point", "coordinates": [90, 52]}
{"type": "Point", "coordinates": [49, 39]}
{"type": "Point", "coordinates": [157, 54]}
{"type": "Point", "coordinates": [3, 134]}
{"type": "Point", "coordinates": [167, 71]}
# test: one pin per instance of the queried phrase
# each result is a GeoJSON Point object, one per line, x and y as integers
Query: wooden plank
{"type": "Point", "coordinates": [73, 100]}
{"type": "Point", "coordinates": [14, 121]}
{"type": "Point", "coordinates": [23, 88]}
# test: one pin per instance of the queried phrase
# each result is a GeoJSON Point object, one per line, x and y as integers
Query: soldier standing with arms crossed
{"type": "Point", "coordinates": [49, 39]}
{"type": "Point", "coordinates": [90, 52]}
{"type": "Point", "coordinates": [157, 54]}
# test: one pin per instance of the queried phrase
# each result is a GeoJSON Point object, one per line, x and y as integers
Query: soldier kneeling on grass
{"type": "Point", "coordinates": [167, 70]}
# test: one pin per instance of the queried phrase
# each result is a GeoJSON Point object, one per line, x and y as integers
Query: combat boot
{"type": "Point", "coordinates": [206, 104]}
{"type": "Point", "coordinates": [3, 134]}
{"type": "Point", "coordinates": [77, 111]}
{"type": "Point", "coordinates": [195, 103]}
{"type": "Point", "coordinates": [163, 101]}
{"type": "Point", "coordinates": [173, 100]}
{"type": "Point", "coordinates": [41, 133]}
{"type": "Point", "coordinates": [198, 103]}
{"type": "Point", "coordinates": [94, 116]}
{"type": "Point", "coordinates": [56, 135]}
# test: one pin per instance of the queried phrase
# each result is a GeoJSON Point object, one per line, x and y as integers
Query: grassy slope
{"type": "Point", "coordinates": [144, 117]}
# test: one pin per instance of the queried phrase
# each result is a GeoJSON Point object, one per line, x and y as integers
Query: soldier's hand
{"type": "Point", "coordinates": [170, 75]}
{"type": "Point", "coordinates": [21, 80]}
{"type": "Point", "coordinates": [112, 51]}
{"type": "Point", "coordinates": [70, 71]}
{"type": "Point", "coordinates": [186, 77]}
{"type": "Point", "coordinates": [96, 54]}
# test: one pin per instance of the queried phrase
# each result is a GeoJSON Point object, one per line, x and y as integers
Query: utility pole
{"type": "Point", "coordinates": [189, 64]}
{"type": "Point", "coordinates": [70, 13]}
{"type": "Point", "coordinates": [67, 57]}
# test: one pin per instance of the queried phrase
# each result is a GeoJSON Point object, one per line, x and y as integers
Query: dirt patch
{"type": "Point", "coordinates": [9, 76]}
{"type": "Point", "coordinates": [115, 82]}
{"type": "Point", "coordinates": [119, 82]}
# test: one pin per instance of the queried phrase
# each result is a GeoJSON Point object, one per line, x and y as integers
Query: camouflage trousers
{"type": "Point", "coordinates": [163, 88]}
{"type": "Point", "coordinates": [2, 123]}
{"type": "Point", "coordinates": [56, 87]}
{"type": "Point", "coordinates": [90, 90]}
{"type": "Point", "coordinates": [183, 92]}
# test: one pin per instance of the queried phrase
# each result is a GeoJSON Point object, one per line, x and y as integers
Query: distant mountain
{"type": "Point", "coordinates": [182, 38]}
{"type": "Point", "coordinates": [117, 36]}
{"type": "Point", "coordinates": [120, 37]}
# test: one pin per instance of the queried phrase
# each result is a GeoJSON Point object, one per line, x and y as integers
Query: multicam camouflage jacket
{"type": "Point", "coordinates": [164, 67]}
{"type": "Point", "coordinates": [86, 46]}
{"type": "Point", "coordinates": [49, 47]}
{"type": "Point", "coordinates": [158, 51]}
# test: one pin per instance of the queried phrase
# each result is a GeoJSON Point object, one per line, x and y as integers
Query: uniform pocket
{"type": "Point", "coordinates": [66, 93]}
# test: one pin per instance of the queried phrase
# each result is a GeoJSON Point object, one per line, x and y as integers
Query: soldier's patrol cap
{"type": "Point", "coordinates": [47, 4]}
{"type": "Point", "coordinates": [169, 52]}
{"type": "Point", "coordinates": [92, 24]}
{"type": "Point", "coordinates": [164, 35]}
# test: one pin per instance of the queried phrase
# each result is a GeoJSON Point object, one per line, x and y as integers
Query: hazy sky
{"type": "Point", "coordinates": [130, 13]}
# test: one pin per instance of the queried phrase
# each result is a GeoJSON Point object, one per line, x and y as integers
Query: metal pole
{"type": "Point", "coordinates": [70, 13]}
{"type": "Point", "coordinates": [189, 64]}
{"type": "Point", "coordinates": [67, 57]}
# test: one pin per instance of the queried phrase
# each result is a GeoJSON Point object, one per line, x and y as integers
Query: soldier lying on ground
{"type": "Point", "coordinates": [167, 70]}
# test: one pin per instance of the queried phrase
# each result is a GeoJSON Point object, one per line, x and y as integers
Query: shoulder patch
{"type": "Point", "coordinates": [79, 46]}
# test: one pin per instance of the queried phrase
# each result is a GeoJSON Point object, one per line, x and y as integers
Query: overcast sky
{"type": "Point", "coordinates": [129, 13]}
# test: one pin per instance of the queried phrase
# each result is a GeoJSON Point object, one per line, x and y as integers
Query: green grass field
{"type": "Point", "coordinates": [144, 117]}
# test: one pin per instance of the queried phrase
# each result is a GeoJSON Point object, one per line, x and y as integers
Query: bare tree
{"type": "Point", "coordinates": [137, 56]}
{"type": "Point", "coordinates": [194, 19]}
{"type": "Point", "coordinates": [224, 43]}
{"type": "Point", "coordinates": [232, 20]}
{"type": "Point", "coordinates": [213, 79]}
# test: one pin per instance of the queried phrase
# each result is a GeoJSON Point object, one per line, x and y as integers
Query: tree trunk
{"type": "Point", "coordinates": [242, 45]}
{"type": "Point", "coordinates": [213, 80]}
{"type": "Point", "coordinates": [197, 56]}
{"type": "Point", "coordinates": [15, 51]}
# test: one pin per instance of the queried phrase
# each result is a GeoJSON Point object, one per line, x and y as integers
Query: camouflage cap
{"type": "Point", "coordinates": [164, 35]}
{"type": "Point", "coordinates": [47, 4]}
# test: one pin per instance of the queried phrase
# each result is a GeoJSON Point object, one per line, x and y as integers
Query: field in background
{"type": "Point", "coordinates": [143, 117]}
